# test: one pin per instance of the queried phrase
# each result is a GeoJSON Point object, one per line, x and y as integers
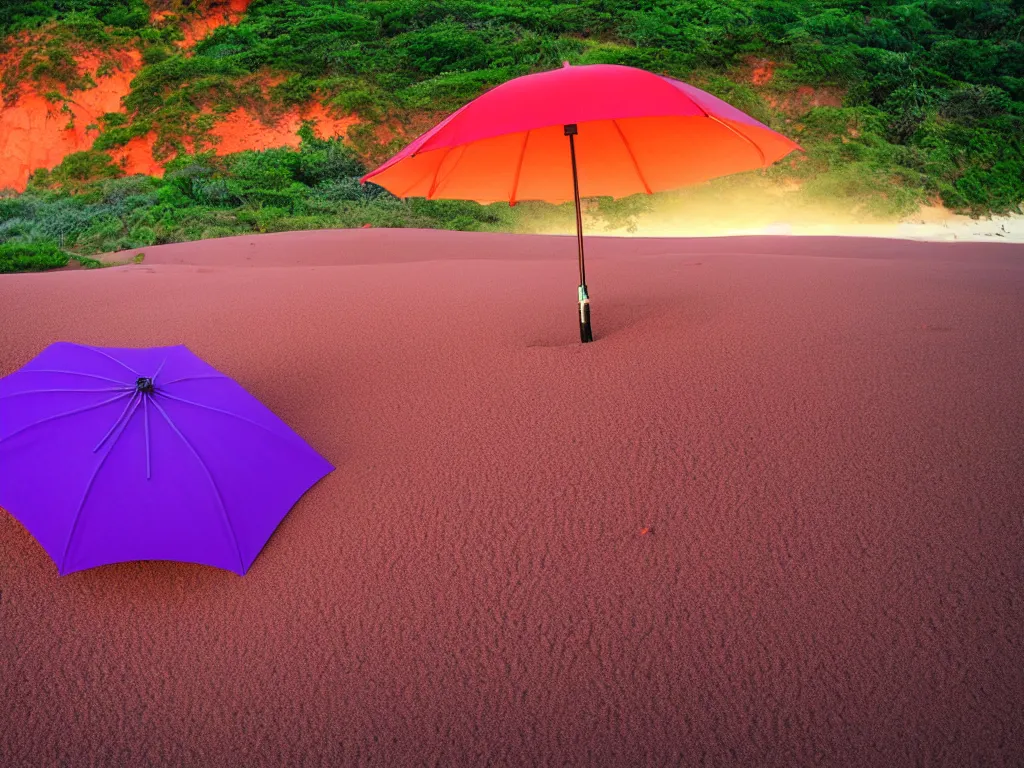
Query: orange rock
{"type": "Point", "coordinates": [220, 14]}
{"type": "Point", "coordinates": [242, 130]}
{"type": "Point", "coordinates": [137, 156]}
{"type": "Point", "coordinates": [37, 133]}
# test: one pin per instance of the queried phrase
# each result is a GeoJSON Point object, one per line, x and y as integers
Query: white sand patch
{"type": "Point", "coordinates": [930, 223]}
{"type": "Point", "coordinates": [926, 225]}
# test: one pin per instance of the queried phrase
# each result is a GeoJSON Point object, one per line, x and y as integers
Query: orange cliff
{"type": "Point", "coordinates": [36, 133]}
{"type": "Point", "coordinates": [219, 13]}
{"type": "Point", "coordinates": [238, 131]}
{"type": "Point", "coordinates": [241, 130]}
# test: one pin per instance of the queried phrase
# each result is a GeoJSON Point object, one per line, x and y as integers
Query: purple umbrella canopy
{"type": "Point", "coordinates": [110, 455]}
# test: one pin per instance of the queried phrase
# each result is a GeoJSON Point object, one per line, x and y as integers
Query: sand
{"type": "Point", "coordinates": [931, 224]}
{"type": "Point", "coordinates": [823, 438]}
{"type": "Point", "coordinates": [750, 217]}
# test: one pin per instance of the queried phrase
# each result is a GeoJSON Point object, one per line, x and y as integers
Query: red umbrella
{"type": "Point", "coordinates": [633, 131]}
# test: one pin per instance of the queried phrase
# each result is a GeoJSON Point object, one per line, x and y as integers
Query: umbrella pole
{"type": "Point", "coordinates": [584, 299]}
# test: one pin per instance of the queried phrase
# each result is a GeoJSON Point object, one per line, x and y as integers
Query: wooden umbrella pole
{"type": "Point", "coordinates": [586, 334]}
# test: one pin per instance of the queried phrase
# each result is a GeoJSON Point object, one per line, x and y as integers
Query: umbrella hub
{"type": "Point", "coordinates": [144, 385]}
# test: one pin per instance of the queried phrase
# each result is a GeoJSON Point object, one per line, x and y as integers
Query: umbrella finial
{"type": "Point", "coordinates": [144, 385]}
{"type": "Point", "coordinates": [565, 65]}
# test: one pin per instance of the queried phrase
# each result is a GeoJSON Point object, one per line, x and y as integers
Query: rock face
{"type": "Point", "coordinates": [219, 13]}
{"type": "Point", "coordinates": [236, 132]}
{"type": "Point", "coordinates": [39, 133]}
{"type": "Point", "coordinates": [242, 130]}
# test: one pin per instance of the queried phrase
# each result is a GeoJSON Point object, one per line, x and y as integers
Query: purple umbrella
{"type": "Point", "coordinates": [109, 455]}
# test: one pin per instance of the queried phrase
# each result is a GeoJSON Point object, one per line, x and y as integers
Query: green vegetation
{"type": "Point", "coordinates": [202, 196]}
{"type": "Point", "coordinates": [896, 103]}
{"type": "Point", "coordinates": [18, 257]}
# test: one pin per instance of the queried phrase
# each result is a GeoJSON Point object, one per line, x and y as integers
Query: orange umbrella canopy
{"type": "Point", "coordinates": [637, 132]}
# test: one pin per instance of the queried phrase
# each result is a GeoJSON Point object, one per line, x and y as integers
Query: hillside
{"type": "Point", "coordinates": [259, 116]}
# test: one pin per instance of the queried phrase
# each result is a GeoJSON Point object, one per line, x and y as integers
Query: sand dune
{"type": "Point", "coordinates": [823, 438]}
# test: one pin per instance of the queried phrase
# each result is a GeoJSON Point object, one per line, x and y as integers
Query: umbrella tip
{"type": "Point", "coordinates": [565, 65]}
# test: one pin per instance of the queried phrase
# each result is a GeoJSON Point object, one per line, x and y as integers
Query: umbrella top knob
{"type": "Point", "coordinates": [565, 65]}
{"type": "Point", "coordinates": [144, 385]}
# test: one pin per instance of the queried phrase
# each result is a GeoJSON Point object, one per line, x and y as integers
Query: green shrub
{"type": "Point", "coordinates": [133, 14]}
{"type": "Point", "coordinates": [31, 257]}
{"type": "Point", "coordinates": [142, 236]}
{"type": "Point", "coordinates": [296, 89]}
{"type": "Point", "coordinates": [77, 168]}
{"type": "Point", "coordinates": [441, 47]}
{"type": "Point", "coordinates": [321, 160]}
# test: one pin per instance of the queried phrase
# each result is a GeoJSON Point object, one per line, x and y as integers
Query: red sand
{"type": "Point", "coordinates": [824, 439]}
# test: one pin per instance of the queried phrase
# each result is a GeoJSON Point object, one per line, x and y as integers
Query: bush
{"type": "Point", "coordinates": [134, 15]}
{"type": "Point", "coordinates": [34, 257]}
{"type": "Point", "coordinates": [76, 169]}
{"type": "Point", "coordinates": [441, 47]}
{"type": "Point", "coordinates": [973, 103]}
{"type": "Point", "coordinates": [322, 160]}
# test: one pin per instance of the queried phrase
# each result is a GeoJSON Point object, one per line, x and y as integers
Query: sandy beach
{"type": "Point", "coordinates": [772, 516]}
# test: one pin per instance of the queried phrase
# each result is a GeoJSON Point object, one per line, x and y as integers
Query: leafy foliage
{"type": "Point", "coordinates": [200, 196]}
{"type": "Point", "coordinates": [31, 258]}
{"type": "Point", "coordinates": [931, 91]}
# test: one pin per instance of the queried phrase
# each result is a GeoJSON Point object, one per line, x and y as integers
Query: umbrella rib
{"type": "Point", "coordinates": [632, 157]}
{"type": "Point", "coordinates": [71, 373]}
{"type": "Point", "coordinates": [109, 357]}
{"type": "Point", "coordinates": [437, 171]}
{"type": "Point", "coordinates": [209, 476]}
{"type": "Point", "coordinates": [153, 377]}
{"type": "Point", "coordinates": [764, 160]}
{"type": "Point", "coordinates": [193, 378]}
{"type": "Point", "coordinates": [519, 170]}
{"type": "Point", "coordinates": [129, 406]}
{"type": "Point", "coordinates": [145, 417]}
{"type": "Point", "coordinates": [88, 490]}
{"type": "Point", "coordinates": [219, 410]}
{"type": "Point", "coordinates": [462, 153]}
{"type": "Point", "coordinates": [416, 183]}
{"type": "Point", "coordinates": [54, 391]}
{"type": "Point", "coordinates": [62, 415]}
